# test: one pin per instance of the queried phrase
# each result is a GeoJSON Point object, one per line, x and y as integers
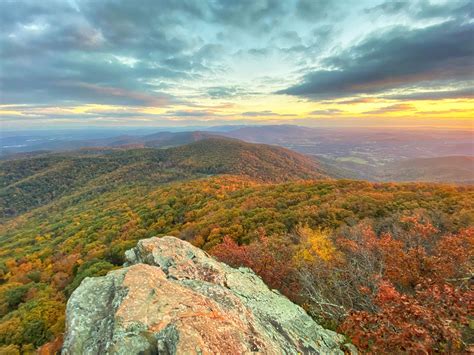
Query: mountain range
{"type": "Point", "coordinates": [354, 153]}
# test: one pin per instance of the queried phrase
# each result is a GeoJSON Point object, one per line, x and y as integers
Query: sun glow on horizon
{"type": "Point", "coordinates": [300, 61]}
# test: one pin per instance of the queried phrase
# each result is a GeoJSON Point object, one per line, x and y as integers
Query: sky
{"type": "Point", "coordinates": [94, 63]}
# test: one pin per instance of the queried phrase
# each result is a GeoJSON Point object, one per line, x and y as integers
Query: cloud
{"type": "Point", "coordinates": [101, 82]}
{"type": "Point", "coordinates": [132, 98]}
{"type": "Point", "coordinates": [394, 59]}
{"type": "Point", "coordinates": [267, 113]}
{"type": "Point", "coordinates": [388, 8]}
{"type": "Point", "coordinates": [118, 52]}
{"type": "Point", "coordinates": [434, 95]}
{"type": "Point", "coordinates": [391, 108]}
{"type": "Point", "coordinates": [359, 100]}
{"type": "Point", "coordinates": [441, 112]}
{"type": "Point", "coordinates": [330, 111]}
{"type": "Point", "coordinates": [180, 54]}
{"type": "Point", "coordinates": [107, 52]}
{"type": "Point", "coordinates": [459, 9]}
{"type": "Point", "coordinates": [191, 113]}
{"type": "Point", "coordinates": [249, 15]}
{"type": "Point", "coordinates": [462, 93]}
{"type": "Point", "coordinates": [311, 10]}
{"type": "Point", "coordinates": [259, 113]}
{"type": "Point", "coordinates": [424, 9]}
{"type": "Point", "coordinates": [225, 92]}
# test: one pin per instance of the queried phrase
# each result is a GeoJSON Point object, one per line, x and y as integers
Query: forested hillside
{"type": "Point", "coordinates": [342, 249]}
{"type": "Point", "coordinates": [31, 182]}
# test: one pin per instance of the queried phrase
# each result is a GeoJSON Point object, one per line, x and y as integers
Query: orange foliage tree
{"type": "Point", "coordinates": [270, 258]}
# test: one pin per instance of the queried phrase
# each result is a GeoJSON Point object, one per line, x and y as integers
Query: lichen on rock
{"type": "Point", "coordinates": [173, 298]}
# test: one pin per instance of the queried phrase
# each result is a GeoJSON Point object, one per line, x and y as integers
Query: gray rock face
{"type": "Point", "coordinates": [173, 298]}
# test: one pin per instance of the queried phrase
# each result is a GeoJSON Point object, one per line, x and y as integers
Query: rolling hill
{"type": "Point", "coordinates": [27, 183]}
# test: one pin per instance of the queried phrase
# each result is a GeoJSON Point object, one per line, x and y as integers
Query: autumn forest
{"type": "Point", "coordinates": [386, 264]}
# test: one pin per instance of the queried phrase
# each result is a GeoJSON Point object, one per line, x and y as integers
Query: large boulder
{"type": "Point", "coordinates": [173, 298]}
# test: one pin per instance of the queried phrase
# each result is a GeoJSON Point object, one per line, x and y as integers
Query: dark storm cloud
{"type": "Point", "coordinates": [394, 59]}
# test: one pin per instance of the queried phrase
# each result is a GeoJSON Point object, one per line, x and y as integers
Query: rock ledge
{"type": "Point", "coordinates": [173, 298]}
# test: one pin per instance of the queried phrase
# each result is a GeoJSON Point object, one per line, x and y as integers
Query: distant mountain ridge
{"type": "Point", "coordinates": [352, 153]}
{"type": "Point", "coordinates": [272, 134]}
{"type": "Point", "coordinates": [162, 139]}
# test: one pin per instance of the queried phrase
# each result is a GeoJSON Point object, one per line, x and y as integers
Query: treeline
{"type": "Point", "coordinates": [356, 246]}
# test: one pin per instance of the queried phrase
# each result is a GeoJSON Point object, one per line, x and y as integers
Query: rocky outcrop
{"type": "Point", "coordinates": [173, 298]}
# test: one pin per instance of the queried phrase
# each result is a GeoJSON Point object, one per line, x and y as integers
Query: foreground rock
{"type": "Point", "coordinates": [175, 299]}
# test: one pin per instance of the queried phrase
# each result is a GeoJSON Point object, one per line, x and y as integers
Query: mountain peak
{"type": "Point", "coordinates": [222, 155]}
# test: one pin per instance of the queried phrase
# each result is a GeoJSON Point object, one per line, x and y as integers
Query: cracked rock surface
{"type": "Point", "coordinates": [173, 298]}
